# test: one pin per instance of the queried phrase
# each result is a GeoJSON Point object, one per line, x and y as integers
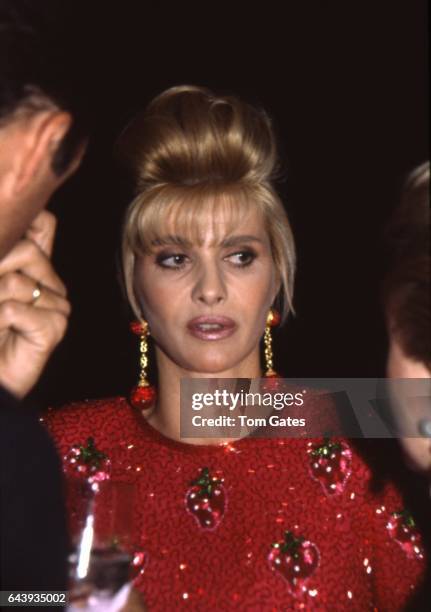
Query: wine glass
{"type": "Point", "coordinates": [104, 535]}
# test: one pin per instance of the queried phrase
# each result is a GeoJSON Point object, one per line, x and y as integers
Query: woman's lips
{"type": "Point", "coordinates": [211, 328]}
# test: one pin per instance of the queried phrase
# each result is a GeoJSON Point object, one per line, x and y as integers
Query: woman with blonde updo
{"type": "Point", "coordinates": [209, 263]}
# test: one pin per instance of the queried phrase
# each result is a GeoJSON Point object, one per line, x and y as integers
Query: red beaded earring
{"type": "Point", "coordinates": [143, 395]}
{"type": "Point", "coordinates": [272, 320]}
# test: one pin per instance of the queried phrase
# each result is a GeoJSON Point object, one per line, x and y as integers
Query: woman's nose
{"type": "Point", "coordinates": [209, 287]}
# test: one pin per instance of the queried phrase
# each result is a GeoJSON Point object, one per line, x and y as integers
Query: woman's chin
{"type": "Point", "coordinates": [211, 371]}
{"type": "Point", "coordinates": [210, 366]}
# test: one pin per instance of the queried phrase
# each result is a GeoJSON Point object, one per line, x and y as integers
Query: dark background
{"type": "Point", "coordinates": [346, 86]}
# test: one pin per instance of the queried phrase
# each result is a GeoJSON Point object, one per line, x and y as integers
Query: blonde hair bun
{"type": "Point", "coordinates": [188, 136]}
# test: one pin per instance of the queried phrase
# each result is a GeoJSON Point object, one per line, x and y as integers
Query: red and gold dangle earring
{"type": "Point", "coordinates": [143, 395]}
{"type": "Point", "coordinates": [272, 320]}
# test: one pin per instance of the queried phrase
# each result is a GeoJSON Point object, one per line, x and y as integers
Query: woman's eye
{"type": "Point", "coordinates": [173, 261]}
{"type": "Point", "coordinates": [242, 258]}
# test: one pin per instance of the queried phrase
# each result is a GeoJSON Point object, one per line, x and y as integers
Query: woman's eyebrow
{"type": "Point", "coordinates": [226, 242]}
{"type": "Point", "coordinates": [172, 239]}
{"type": "Point", "coordinates": [233, 240]}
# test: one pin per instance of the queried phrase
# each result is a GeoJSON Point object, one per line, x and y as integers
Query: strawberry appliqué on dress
{"type": "Point", "coordinates": [402, 528]}
{"type": "Point", "coordinates": [206, 500]}
{"type": "Point", "coordinates": [295, 559]}
{"type": "Point", "coordinates": [87, 462]}
{"type": "Point", "coordinates": [330, 465]}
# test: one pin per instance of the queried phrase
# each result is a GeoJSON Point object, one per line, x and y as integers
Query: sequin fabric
{"type": "Point", "coordinates": [273, 517]}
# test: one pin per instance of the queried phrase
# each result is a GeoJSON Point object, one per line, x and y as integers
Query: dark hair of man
{"type": "Point", "coordinates": [406, 288]}
{"type": "Point", "coordinates": [41, 66]}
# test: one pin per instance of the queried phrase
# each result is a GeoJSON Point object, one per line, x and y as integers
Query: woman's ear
{"type": "Point", "coordinates": [277, 286]}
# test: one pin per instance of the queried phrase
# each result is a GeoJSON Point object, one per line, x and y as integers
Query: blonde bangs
{"type": "Point", "coordinates": [185, 212]}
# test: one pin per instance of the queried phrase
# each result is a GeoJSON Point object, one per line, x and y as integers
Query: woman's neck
{"type": "Point", "coordinates": [166, 415]}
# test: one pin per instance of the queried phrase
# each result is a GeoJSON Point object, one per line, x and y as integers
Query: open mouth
{"type": "Point", "coordinates": [211, 329]}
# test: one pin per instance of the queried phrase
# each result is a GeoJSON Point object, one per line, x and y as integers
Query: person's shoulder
{"type": "Point", "coordinates": [75, 422]}
{"type": "Point", "coordinates": [93, 410]}
{"type": "Point", "coordinates": [387, 486]}
{"type": "Point", "coordinates": [87, 408]}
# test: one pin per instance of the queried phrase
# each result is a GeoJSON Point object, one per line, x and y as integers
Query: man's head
{"type": "Point", "coordinates": [406, 300]}
{"type": "Point", "coordinates": [406, 288]}
{"type": "Point", "coordinates": [43, 114]}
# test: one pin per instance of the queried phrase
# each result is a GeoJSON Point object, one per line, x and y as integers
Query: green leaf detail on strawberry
{"type": "Point", "coordinates": [88, 462]}
{"type": "Point", "coordinates": [325, 449]}
{"type": "Point", "coordinates": [90, 455]}
{"type": "Point", "coordinates": [330, 465]}
{"type": "Point", "coordinates": [206, 499]}
{"type": "Point", "coordinates": [295, 559]}
{"type": "Point", "coordinates": [402, 528]}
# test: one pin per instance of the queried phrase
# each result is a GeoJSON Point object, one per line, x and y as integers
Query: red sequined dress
{"type": "Point", "coordinates": [256, 525]}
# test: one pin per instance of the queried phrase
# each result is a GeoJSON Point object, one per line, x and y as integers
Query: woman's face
{"type": "Point", "coordinates": [206, 305]}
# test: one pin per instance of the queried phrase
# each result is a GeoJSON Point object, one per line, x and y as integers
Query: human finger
{"type": "Point", "coordinates": [27, 258]}
{"type": "Point", "coordinates": [21, 288]}
{"type": "Point", "coordinates": [41, 327]}
{"type": "Point", "coordinates": [42, 231]}
{"type": "Point", "coordinates": [28, 336]}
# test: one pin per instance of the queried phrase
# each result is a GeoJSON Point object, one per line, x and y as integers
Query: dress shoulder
{"type": "Point", "coordinates": [105, 420]}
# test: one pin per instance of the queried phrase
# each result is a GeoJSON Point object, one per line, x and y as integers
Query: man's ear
{"type": "Point", "coordinates": [42, 134]}
{"type": "Point", "coordinates": [76, 161]}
